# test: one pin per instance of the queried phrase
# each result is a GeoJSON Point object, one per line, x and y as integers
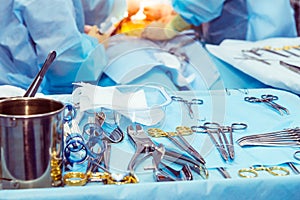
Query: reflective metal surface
{"type": "Point", "coordinates": [31, 134]}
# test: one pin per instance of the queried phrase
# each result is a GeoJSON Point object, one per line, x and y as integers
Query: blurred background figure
{"type": "Point", "coordinates": [141, 13]}
{"type": "Point", "coordinates": [296, 6]}
{"type": "Point", "coordinates": [30, 29]}
{"type": "Point", "coordinates": [230, 19]}
{"type": "Point", "coordinates": [179, 63]}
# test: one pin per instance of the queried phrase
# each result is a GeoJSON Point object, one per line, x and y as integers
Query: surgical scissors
{"type": "Point", "coordinates": [145, 148]}
{"type": "Point", "coordinates": [214, 127]}
{"type": "Point", "coordinates": [271, 170]}
{"type": "Point", "coordinates": [188, 104]}
{"type": "Point", "coordinates": [268, 99]}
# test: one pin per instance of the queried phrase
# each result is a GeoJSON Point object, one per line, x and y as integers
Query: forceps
{"type": "Point", "coordinates": [245, 56]}
{"type": "Point", "coordinates": [268, 99]}
{"type": "Point", "coordinates": [220, 146]}
{"type": "Point", "coordinates": [287, 137]}
{"type": "Point", "coordinates": [227, 129]}
{"type": "Point", "coordinates": [93, 175]}
{"type": "Point", "coordinates": [188, 104]}
{"type": "Point", "coordinates": [96, 129]}
{"type": "Point", "coordinates": [291, 67]}
{"type": "Point", "coordinates": [145, 148]}
{"type": "Point", "coordinates": [213, 127]}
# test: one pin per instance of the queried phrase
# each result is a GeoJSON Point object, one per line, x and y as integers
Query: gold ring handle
{"type": "Point", "coordinates": [242, 173]}
{"type": "Point", "coordinates": [284, 171]}
{"type": "Point", "coordinates": [75, 178]}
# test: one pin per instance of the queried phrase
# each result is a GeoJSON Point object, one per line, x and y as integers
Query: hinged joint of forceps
{"type": "Point", "coordinates": [268, 99]}
{"type": "Point", "coordinates": [188, 104]}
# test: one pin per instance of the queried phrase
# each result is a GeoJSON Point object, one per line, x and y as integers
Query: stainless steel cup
{"type": "Point", "coordinates": [31, 138]}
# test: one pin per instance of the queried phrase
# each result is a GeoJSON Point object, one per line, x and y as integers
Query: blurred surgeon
{"type": "Point", "coordinates": [30, 29]}
{"type": "Point", "coordinates": [229, 19]}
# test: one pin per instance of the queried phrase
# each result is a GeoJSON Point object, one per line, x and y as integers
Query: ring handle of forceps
{"type": "Point", "coordinates": [252, 99]}
{"type": "Point", "coordinates": [297, 155]}
{"type": "Point", "coordinates": [99, 131]}
{"type": "Point", "coordinates": [193, 101]}
{"type": "Point", "coordinates": [81, 146]}
{"type": "Point", "coordinates": [215, 126]}
{"type": "Point", "coordinates": [211, 126]}
{"type": "Point", "coordinates": [69, 112]}
{"type": "Point", "coordinates": [238, 126]}
{"type": "Point", "coordinates": [270, 170]}
{"type": "Point", "coordinates": [269, 97]}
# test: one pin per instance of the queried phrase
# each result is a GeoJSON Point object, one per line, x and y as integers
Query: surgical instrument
{"type": "Point", "coordinates": [182, 56]}
{"type": "Point", "coordinates": [287, 49]}
{"type": "Point", "coordinates": [227, 129]}
{"type": "Point", "coordinates": [248, 57]}
{"type": "Point", "coordinates": [220, 146]}
{"type": "Point", "coordinates": [81, 178]}
{"type": "Point", "coordinates": [181, 142]}
{"type": "Point", "coordinates": [241, 90]}
{"type": "Point", "coordinates": [268, 99]}
{"type": "Point", "coordinates": [98, 157]}
{"type": "Point", "coordinates": [293, 167]}
{"type": "Point", "coordinates": [93, 129]}
{"type": "Point", "coordinates": [77, 150]}
{"type": "Point", "coordinates": [188, 104]}
{"type": "Point", "coordinates": [224, 172]}
{"type": "Point", "coordinates": [145, 148]}
{"type": "Point", "coordinates": [163, 172]}
{"type": "Point", "coordinates": [69, 113]}
{"type": "Point", "coordinates": [297, 155]}
{"type": "Point", "coordinates": [275, 171]}
{"type": "Point", "coordinates": [100, 154]}
{"type": "Point", "coordinates": [268, 49]}
{"type": "Point", "coordinates": [183, 130]}
{"type": "Point", "coordinates": [97, 128]}
{"type": "Point", "coordinates": [286, 137]}
{"type": "Point", "coordinates": [253, 51]}
{"type": "Point", "coordinates": [291, 67]}
{"type": "Point", "coordinates": [221, 130]}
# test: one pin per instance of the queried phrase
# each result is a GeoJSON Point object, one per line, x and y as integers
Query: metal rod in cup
{"type": "Point", "coordinates": [31, 91]}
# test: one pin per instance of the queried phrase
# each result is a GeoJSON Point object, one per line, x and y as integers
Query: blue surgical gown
{"type": "Point", "coordinates": [30, 29]}
{"type": "Point", "coordinates": [239, 19]}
